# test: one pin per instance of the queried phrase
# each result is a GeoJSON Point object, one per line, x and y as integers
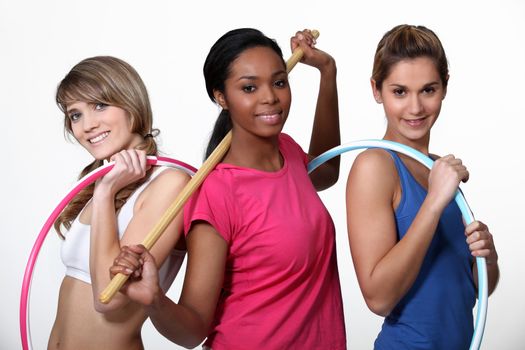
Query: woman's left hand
{"type": "Point", "coordinates": [480, 242]}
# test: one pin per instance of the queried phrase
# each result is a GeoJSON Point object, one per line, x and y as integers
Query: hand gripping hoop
{"type": "Point", "coordinates": [25, 331]}
{"type": "Point", "coordinates": [460, 200]}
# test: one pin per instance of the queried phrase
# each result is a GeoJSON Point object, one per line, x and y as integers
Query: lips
{"type": "Point", "coordinates": [99, 137]}
{"type": "Point", "coordinates": [415, 122]}
{"type": "Point", "coordinates": [270, 117]}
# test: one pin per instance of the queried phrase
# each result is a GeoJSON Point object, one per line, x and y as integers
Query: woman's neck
{"type": "Point", "coordinates": [420, 144]}
{"type": "Point", "coordinates": [255, 152]}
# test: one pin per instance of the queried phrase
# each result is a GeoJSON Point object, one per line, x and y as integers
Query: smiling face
{"type": "Point", "coordinates": [256, 93]}
{"type": "Point", "coordinates": [411, 95]}
{"type": "Point", "coordinates": [101, 129]}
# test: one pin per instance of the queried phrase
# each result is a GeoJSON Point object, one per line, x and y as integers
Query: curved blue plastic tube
{"type": "Point", "coordinates": [481, 317]}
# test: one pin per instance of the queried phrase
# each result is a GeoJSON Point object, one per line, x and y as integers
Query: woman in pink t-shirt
{"type": "Point", "coordinates": [262, 269]}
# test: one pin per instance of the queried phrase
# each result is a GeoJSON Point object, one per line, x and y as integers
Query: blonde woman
{"type": "Point", "coordinates": [107, 110]}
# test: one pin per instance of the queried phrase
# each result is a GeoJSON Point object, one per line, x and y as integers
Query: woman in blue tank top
{"type": "Point", "coordinates": [406, 233]}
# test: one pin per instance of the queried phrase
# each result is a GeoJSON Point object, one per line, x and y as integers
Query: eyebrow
{"type": "Point", "coordinates": [68, 110]}
{"type": "Point", "coordinates": [254, 77]}
{"type": "Point", "coordinates": [424, 86]}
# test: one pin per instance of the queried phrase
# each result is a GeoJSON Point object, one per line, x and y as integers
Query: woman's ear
{"type": "Point", "coordinates": [220, 98]}
{"type": "Point", "coordinates": [376, 91]}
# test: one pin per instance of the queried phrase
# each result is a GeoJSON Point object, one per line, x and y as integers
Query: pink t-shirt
{"type": "Point", "coordinates": [281, 288]}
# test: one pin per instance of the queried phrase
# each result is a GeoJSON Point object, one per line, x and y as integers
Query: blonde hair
{"type": "Point", "coordinates": [111, 81]}
{"type": "Point", "coordinates": [408, 42]}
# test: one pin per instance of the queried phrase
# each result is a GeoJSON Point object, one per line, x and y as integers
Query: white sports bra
{"type": "Point", "coordinates": [75, 248]}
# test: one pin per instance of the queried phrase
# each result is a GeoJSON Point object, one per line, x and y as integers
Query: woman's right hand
{"type": "Point", "coordinates": [444, 178]}
{"type": "Point", "coordinates": [136, 262]}
{"type": "Point", "coordinates": [130, 166]}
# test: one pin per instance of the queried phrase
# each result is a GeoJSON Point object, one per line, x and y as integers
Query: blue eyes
{"type": "Point", "coordinates": [76, 114]}
{"type": "Point", "coordinates": [100, 106]}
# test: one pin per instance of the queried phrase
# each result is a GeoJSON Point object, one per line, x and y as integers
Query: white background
{"type": "Point", "coordinates": [481, 120]}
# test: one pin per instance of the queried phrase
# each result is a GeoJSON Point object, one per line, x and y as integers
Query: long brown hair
{"type": "Point", "coordinates": [111, 81]}
{"type": "Point", "coordinates": [408, 42]}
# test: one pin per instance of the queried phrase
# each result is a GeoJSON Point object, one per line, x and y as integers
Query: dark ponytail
{"type": "Point", "coordinates": [220, 129]}
{"type": "Point", "coordinates": [217, 69]}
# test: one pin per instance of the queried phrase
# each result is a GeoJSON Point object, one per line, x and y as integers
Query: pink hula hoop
{"type": "Point", "coordinates": [81, 184]}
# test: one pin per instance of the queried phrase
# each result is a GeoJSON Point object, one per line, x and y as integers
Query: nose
{"type": "Point", "coordinates": [269, 95]}
{"type": "Point", "coordinates": [89, 121]}
{"type": "Point", "coordinates": [416, 105]}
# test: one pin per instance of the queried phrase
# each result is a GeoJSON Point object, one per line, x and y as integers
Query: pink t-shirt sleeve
{"type": "Point", "coordinates": [213, 204]}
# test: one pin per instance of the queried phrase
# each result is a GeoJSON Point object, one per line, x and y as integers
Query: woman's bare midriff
{"type": "Point", "coordinates": [79, 326]}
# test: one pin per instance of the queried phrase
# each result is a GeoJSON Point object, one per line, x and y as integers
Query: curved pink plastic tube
{"type": "Point", "coordinates": [80, 185]}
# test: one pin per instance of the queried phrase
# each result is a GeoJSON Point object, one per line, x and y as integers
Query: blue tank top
{"type": "Point", "coordinates": [436, 312]}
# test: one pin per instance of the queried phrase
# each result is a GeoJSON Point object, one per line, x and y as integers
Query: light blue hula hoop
{"type": "Point", "coordinates": [481, 317]}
